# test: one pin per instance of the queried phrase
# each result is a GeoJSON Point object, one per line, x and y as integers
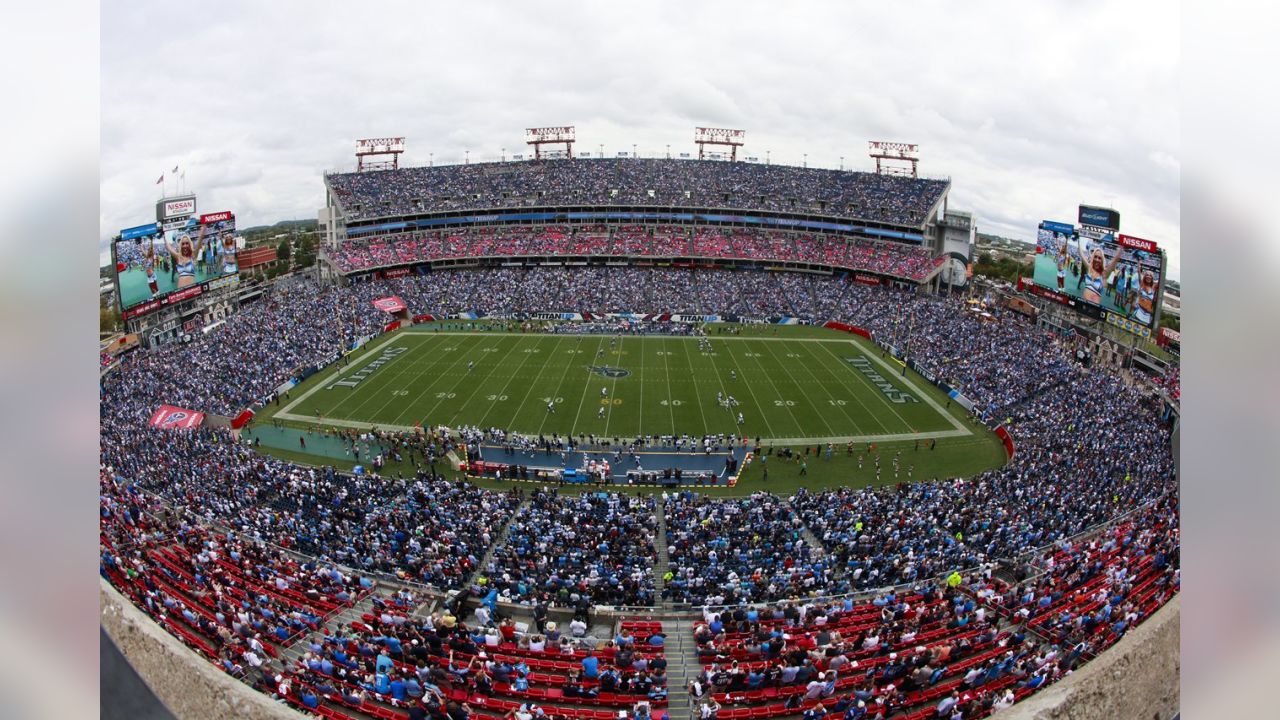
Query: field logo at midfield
{"type": "Point", "coordinates": [863, 366]}
{"type": "Point", "coordinates": [609, 372]}
{"type": "Point", "coordinates": [356, 378]}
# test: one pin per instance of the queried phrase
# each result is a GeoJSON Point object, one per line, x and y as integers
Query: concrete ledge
{"type": "Point", "coordinates": [190, 686]}
{"type": "Point", "coordinates": [1135, 679]}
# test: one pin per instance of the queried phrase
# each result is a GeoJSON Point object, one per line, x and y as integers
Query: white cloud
{"type": "Point", "coordinates": [1030, 108]}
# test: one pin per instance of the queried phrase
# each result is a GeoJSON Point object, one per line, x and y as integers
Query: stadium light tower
{"type": "Point", "coordinates": [378, 147]}
{"type": "Point", "coordinates": [561, 135]}
{"type": "Point", "coordinates": [895, 157]}
{"type": "Point", "coordinates": [718, 136]}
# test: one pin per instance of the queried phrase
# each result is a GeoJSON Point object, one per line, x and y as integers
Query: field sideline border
{"type": "Point", "coordinates": [373, 351]}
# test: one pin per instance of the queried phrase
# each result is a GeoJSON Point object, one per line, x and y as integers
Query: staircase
{"type": "Point", "coordinates": [500, 539]}
{"type": "Point", "coordinates": [663, 562]}
{"type": "Point", "coordinates": [294, 652]}
{"type": "Point", "coordinates": [682, 667]}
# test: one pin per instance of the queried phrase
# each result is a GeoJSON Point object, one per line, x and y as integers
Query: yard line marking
{"type": "Point", "coordinates": [613, 390]}
{"type": "Point", "coordinates": [768, 376]}
{"type": "Point", "coordinates": [763, 414]}
{"type": "Point", "coordinates": [640, 382]}
{"type": "Point", "coordinates": [586, 388]}
{"type": "Point", "coordinates": [867, 382]}
{"type": "Point", "coordinates": [805, 365]}
{"type": "Point", "coordinates": [697, 387]}
{"type": "Point", "coordinates": [512, 376]}
{"type": "Point", "coordinates": [906, 380]}
{"type": "Point", "coordinates": [431, 366]}
{"type": "Point", "coordinates": [448, 374]}
{"type": "Point", "coordinates": [537, 378]}
{"type": "Point", "coordinates": [671, 410]}
{"type": "Point", "coordinates": [857, 396]}
{"type": "Point", "coordinates": [466, 403]}
{"type": "Point", "coordinates": [368, 356]}
{"type": "Point", "coordinates": [556, 393]}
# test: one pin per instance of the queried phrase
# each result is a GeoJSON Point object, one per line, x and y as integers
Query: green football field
{"type": "Point", "coordinates": [802, 384]}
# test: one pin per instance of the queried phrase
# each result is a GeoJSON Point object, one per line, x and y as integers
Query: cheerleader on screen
{"type": "Point", "coordinates": [149, 265]}
{"type": "Point", "coordinates": [1097, 269]}
{"type": "Point", "coordinates": [184, 256]}
{"type": "Point", "coordinates": [1146, 307]}
{"type": "Point", "coordinates": [228, 252]}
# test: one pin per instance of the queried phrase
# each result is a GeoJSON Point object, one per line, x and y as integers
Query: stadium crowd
{"type": "Point", "coordinates": [594, 547]}
{"type": "Point", "coordinates": [729, 550]}
{"type": "Point", "coordinates": [885, 258]}
{"type": "Point", "coordinates": [1089, 448]}
{"type": "Point", "coordinates": [635, 182]}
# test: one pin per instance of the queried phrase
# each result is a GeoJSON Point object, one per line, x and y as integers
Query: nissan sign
{"type": "Point", "coordinates": [178, 207]}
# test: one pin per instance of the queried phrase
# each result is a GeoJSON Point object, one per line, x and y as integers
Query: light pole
{"type": "Point", "coordinates": [467, 160]}
{"type": "Point", "coordinates": [431, 161]}
{"type": "Point", "coordinates": [842, 163]}
{"type": "Point", "coordinates": [668, 151]}
{"type": "Point", "coordinates": [633, 150]}
{"type": "Point", "coordinates": [766, 156]}
{"type": "Point", "coordinates": [504, 154]}
{"type": "Point", "coordinates": [806, 159]}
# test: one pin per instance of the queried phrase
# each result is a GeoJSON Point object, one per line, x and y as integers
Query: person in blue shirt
{"type": "Point", "coordinates": [381, 683]}
{"type": "Point", "coordinates": [399, 690]}
{"type": "Point", "coordinates": [591, 666]}
{"type": "Point", "coordinates": [384, 662]}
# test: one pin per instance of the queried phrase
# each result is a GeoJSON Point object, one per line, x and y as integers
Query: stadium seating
{"type": "Point", "coordinates": [249, 559]}
{"type": "Point", "coordinates": [883, 258]}
{"type": "Point", "coordinates": [635, 182]}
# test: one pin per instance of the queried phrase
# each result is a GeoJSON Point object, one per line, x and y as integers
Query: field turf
{"type": "Point", "coordinates": [793, 387]}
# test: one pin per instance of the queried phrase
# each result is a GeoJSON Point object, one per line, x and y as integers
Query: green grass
{"type": "Point", "coordinates": [795, 387]}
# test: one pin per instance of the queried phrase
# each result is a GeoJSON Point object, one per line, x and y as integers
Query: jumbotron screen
{"type": "Point", "coordinates": [156, 267]}
{"type": "Point", "coordinates": [1100, 273]}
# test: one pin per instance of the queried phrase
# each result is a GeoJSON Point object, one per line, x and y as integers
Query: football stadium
{"type": "Point", "coordinates": [591, 438]}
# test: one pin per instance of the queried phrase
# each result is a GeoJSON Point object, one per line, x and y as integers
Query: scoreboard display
{"type": "Point", "coordinates": [1099, 272]}
{"type": "Point", "coordinates": [175, 259]}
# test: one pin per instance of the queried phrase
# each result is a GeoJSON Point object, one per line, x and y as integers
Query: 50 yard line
{"type": "Point", "coordinates": [613, 390]}
{"type": "Point", "coordinates": [586, 388]}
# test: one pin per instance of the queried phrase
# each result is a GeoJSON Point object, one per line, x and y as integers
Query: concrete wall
{"type": "Point", "coordinates": [1137, 679]}
{"type": "Point", "coordinates": [189, 685]}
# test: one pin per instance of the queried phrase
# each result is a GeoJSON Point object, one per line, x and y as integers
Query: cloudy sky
{"type": "Point", "coordinates": [1030, 108]}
